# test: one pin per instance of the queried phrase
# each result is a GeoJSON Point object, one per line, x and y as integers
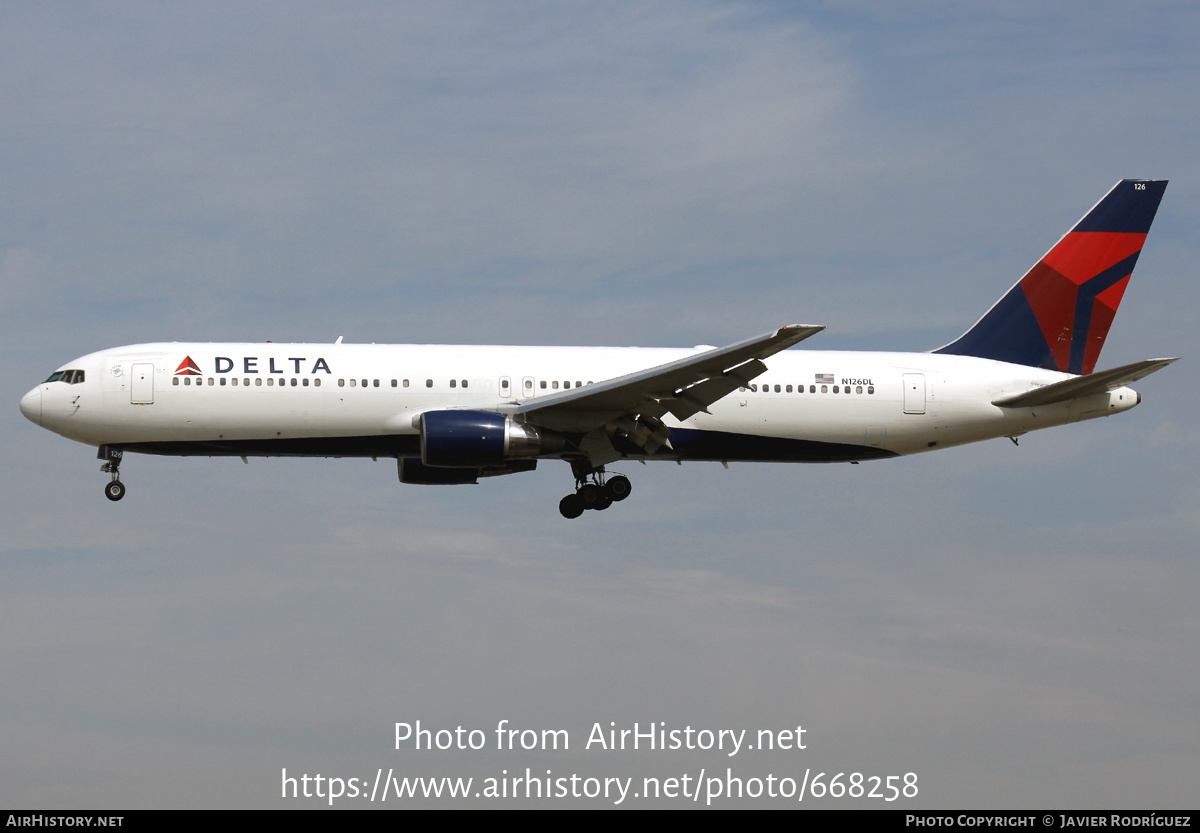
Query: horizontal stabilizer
{"type": "Point", "coordinates": [1080, 386]}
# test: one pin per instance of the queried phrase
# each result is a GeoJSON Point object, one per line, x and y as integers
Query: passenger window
{"type": "Point", "coordinates": [317, 382]}
{"type": "Point", "coordinates": [375, 383]}
{"type": "Point", "coordinates": [258, 382]}
{"type": "Point", "coordinates": [428, 383]}
{"type": "Point", "coordinates": [393, 383]}
{"type": "Point", "coordinates": [812, 388]}
{"type": "Point", "coordinates": [870, 389]}
{"type": "Point", "coordinates": [777, 388]}
{"type": "Point", "coordinates": [858, 388]}
{"type": "Point", "coordinates": [789, 388]}
{"type": "Point", "coordinates": [341, 383]}
{"type": "Point", "coordinates": [352, 382]}
{"type": "Point", "coordinates": [405, 383]}
{"type": "Point", "coordinates": [543, 384]}
{"type": "Point", "coordinates": [364, 383]}
{"type": "Point", "coordinates": [464, 383]}
{"type": "Point", "coordinates": [453, 383]}
{"type": "Point", "coordinates": [305, 381]}
{"type": "Point", "coordinates": [824, 388]}
{"type": "Point", "coordinates": [211, 381]}
{"type": "Point", "coordinates": [553, 385]}
{"type": "Point", "coordinates": [175, 380]}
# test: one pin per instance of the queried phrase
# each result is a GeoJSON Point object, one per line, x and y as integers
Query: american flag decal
{"type": "Point", "coordinates": [824, 378]}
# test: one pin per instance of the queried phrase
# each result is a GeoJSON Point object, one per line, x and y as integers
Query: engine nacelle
{"type": "Point", "coordinates": [458, 439]}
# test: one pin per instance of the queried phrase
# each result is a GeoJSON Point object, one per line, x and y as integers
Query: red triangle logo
{"type": "Point", "coordinates": [187, 367]}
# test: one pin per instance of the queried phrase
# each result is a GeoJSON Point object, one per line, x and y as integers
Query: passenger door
{"type": "Point", "coordinates": [141, 388]}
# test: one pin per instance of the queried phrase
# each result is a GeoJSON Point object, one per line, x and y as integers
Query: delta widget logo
{"type": "Point", "coordinates": [187, 367]}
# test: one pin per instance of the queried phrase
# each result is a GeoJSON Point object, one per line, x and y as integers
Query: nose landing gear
{"type": "Point", "coordinates": [594, 491]}
{"type": "Point", "coordinates": [114, 489]}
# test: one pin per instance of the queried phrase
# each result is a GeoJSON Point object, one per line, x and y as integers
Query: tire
{"type": "Point", "coordinates": [115, 490]}
{"type": "Point", "coordinates": [570, 507]}
{"type": "Point", "coordinates": [619, 487]}
{"type": "Point", "coordinates": [589, 494]}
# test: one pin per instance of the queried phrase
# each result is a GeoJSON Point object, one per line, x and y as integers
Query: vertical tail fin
{"type": "Point", "coordinates": [1058, 315]}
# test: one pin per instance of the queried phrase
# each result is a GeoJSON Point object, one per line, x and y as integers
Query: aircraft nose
{"type": "Point", "coordinates": [31, 405]}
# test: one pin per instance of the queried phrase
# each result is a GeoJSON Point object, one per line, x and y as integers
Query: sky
{"type": "Point", "coordinates": [1014, 626]}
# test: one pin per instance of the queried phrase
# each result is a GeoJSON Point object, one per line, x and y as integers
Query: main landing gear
{"type": "Point", "coordinates": [594, 491]}
{"type": "Point", "coordinates": [114, 489]}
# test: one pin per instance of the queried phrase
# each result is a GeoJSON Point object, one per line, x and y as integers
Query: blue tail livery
{"type": "Point", "coordinates": [1057, 316]}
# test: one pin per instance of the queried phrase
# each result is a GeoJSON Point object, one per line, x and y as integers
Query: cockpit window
{"type": "Point", "coordinates": [54, 377]}
{"type": "Point", "coordinates": [71, 377]}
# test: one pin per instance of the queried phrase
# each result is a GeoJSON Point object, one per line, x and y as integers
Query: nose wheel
{"type": "Point", "coordinates": [114, 490]}
{"type": "Point", "coordinates": [594, 491]}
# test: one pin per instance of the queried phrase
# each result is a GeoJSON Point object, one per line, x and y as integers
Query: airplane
{"type": "Point", "coordinates": [455, 414]}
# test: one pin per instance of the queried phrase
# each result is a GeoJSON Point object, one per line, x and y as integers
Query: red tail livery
{"type": "Point", "coordinates": [1058, 315]}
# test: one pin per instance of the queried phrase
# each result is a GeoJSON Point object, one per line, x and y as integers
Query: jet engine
{"type": "Point", "coordinates": [460, 439]}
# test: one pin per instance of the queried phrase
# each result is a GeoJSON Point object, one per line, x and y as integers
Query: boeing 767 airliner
{"type": "Point", "coordinates": [454, 414]}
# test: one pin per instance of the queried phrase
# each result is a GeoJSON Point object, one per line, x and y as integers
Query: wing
{"type": "Point", "coordinates": [633, 405]}
{"type": "Point", "coordinates": [1102, 382]}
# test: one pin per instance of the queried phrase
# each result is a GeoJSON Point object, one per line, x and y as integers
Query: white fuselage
{"type": "Point", "coordinates": [293, 398]}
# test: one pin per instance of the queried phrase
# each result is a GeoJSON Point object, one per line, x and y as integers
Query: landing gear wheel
{"type": "Point", "coordinates": [619, 487]}
{"type": "Point", "coordinates": [570, 506]}
{"type": "Point", "coordinates": [603, 503]}
{"type": "Point", "coordinates": [114, 490]}
{"type": "Point", "coordinates": [589, 495]}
